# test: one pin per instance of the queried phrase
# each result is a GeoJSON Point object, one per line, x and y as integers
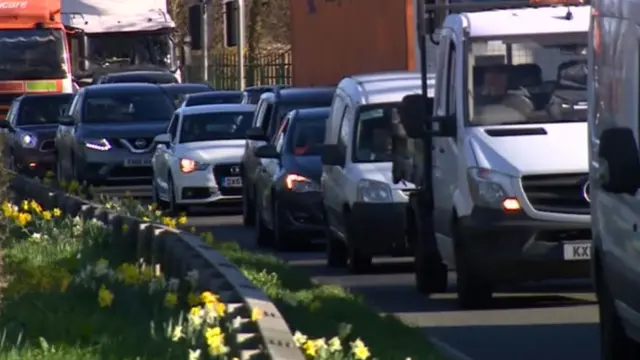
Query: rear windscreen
{"type": "Point", "coordinates": [42, 109]}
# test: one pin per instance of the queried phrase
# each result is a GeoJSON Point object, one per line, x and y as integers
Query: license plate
{"type": "Point", "coordinates": [577, 251]}
{"type": "Point", "coordinates": [137, 162]}
{"type": "Point", "coordinates": [232, 182]}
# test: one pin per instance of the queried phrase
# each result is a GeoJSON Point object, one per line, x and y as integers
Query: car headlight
{"type": "Point", "coordinates": [299, 183]}
{"type": "Point", "coordinates": [97, 144]}
{"type": "Point", "coordinates": [188, 166]}
{"type": "Point", "coordinates": [27, 140]}
{"type": "Point", "coordinates": [488, 189]}
{"type": "Point", "coordinates": [372, 191]}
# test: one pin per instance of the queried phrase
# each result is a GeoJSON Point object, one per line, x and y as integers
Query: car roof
{"type": "Point", "coordinates": [128, 87]}
{"type": "Point", "coordinates": [215, 93]}
{"type": "Point", "coordinates": [259, 88]}
{"type": "Point", "coordinates": [215, 108]}
{"type": "Point", "coordinates": [138, 73]}
{"type": "Point", "coordinates": [312, 112]}
{"type": "Point", "coordinates": [185, 86]}
{"type": "Point", "coordinates": [303, 94]}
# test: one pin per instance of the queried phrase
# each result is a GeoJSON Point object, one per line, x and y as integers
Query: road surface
{"type": "Point", "coordinates": [555, 321]}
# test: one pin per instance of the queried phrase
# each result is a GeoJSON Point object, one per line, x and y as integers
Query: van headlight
{"type": "Point", "coordinates": [372, 191]}
{"type": "Point", "coordinates": [489, 188]}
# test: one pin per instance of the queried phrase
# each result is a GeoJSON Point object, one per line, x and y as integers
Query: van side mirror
{"type": "Point", "coordinates": [256, 134]}
{"type": "Point", "coordinates": [66, 120]}
{"type": "Point", "coordinates": [6, 125]}
{"type": "Point", "coordinates": [619, 170]}
{"type": "Point", "coordinates": [332, 156]}
{"type": "Point", "coordinates": [268, 151]}
{"type": "Point", "coordinates": [416, 111]}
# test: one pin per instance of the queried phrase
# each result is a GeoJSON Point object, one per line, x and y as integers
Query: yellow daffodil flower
{"type": "Point", "coordinates": [208, 297]}
{"type": "Point", "coordinates": [310, 349]}
{"type": "Point", "coordinates": [335, 345]}
{"type": "Point", "coordinates": [359, 350]}
{"type": "Point", "coordinates": [299, 338]}
{"type": "Point", "coordinates": [105, 297]}
{"type": "Point", "coordinates": [57, 212]}
{"type": "Point", "coordinates": [182, 220]}
{"type": "Point", "coordinates": [46, 215]}
{"type": "Point", "coordinates": [256, 314]}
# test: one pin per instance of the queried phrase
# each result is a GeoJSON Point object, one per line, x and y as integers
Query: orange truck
{"type": "Point", "coordinates": [34, 54]}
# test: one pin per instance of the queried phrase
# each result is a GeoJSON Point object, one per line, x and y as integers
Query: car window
{"type": "Point", "coordinates": [215, 126]}
{"type": "Point", "coordinates": [36, 110]}
{"type": "Point", "coordinates": [282, 109]}
{"type": "Point", "coordinates": [126, 107]}
{"type": "Point", "coordinates": [173, 126]}
{"type": "Point", "coordinates": [306, 136]}
{"type": "Point", "coordinates": [372, 142]}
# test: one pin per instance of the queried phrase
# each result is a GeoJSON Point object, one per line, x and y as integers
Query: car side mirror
{"type": "Point", "coordinates": [267, 152]}
{"type": "Point", "coordinates": [163, 139]}
{"type": "Point", "coordinates": [332, 155]}
{"type": "Point", "coordinates": [256, 134]}
{"type": "Point", "coordinates": [6, 125]}
{"type": "Point", "coordinates": [66, 120]}
{"type": "Point", "coordinates": [416, 112]}
{"type": "Point", "coordinates": [619, 162]}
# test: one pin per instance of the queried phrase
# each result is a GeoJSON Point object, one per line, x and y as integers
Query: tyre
{"type": "Point", "coordinates": [473, 291]}
{"type": "Point", "coordinates": [615, 344]}
{"type": "Point", "coordinates": [283, 239]}
{"type": "Point", "coordinates": [248, 211]}
{"type": "Point", "coordinates": [359, 262]}
{"type": "Point", "coordinates": [173, 207]}
{"type": "Point", "coordinates": [264, 235]}
{"type": "Point", "coordinates": [337, 253]}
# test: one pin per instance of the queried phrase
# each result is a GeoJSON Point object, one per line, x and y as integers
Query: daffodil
{"type": "Point", "coordinates": [177, 333]}
{"type": "Point", "coordinates": [310, 349]}
{"type": "Point", "coordinates": [105, 297]}
{"type": "Point", "coordinates": [147, 274]}
{"type": "Point", "coordinates": [335, 345]}
{"type": "Point", "coordinates": [35, 207]}
{"type": "Point", "coordinates": [182, 220]}
{"type": "Point", "coordinates": [23, 219]}
{"type": "Point", "coordinates": [215, 341]}
{"type": "Point", "coordinates": [256, 314]}
{"type": "Point", "coordinates": [194, 354]}
{"type": "Point", "coordinates": [170, 299]}
{"type": "Point", "coordinates": [128, 274]}
{"type": "Point", "coordinates": [57, 212]}
{"type": "Point", "coordinates": [195, 317]}
{"type": "Point", "coordinates": [24, 205]}
{"type": "Point", "coordinates": [46, 215]}
{"type": "Point", "coordinates": [208, 297]}
{"type": "Point", "coordinates": [299, 338]}
{"type": "Point", "coordinates": [359, 350]}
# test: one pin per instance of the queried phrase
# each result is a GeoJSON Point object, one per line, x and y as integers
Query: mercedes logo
{"type": "Point", "coordinates": [235, 169]}
{"type": "Point", "coordinates": [586, 191]}
{"type": "Point", "coordinates": [140, 143]}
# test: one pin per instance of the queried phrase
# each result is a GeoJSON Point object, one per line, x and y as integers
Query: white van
{"type": "Point", "coordinates": [364, 209]}
{"type": "Point", "coordinates": [510, 178]}
{"type": "Point", "coordinates": [614, 135]}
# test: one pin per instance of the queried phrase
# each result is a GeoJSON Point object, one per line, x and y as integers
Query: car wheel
{"type": "Point", "coordinates": [248, 211]}
{"type": "Point", "coordinates": [358, 262]}
{"type": "Point", "coordinates": [173, 207]}
{"type": "Point", "coordinates": [283, 238]}
{"type": "Point", "coordinates": [337, 253]}
{"type": "Point", "coordinates": [264, 235]}
{"type": "Point", "coordinates": [473, 291]}
{"type": "Point", "coordinates": [615, 344]}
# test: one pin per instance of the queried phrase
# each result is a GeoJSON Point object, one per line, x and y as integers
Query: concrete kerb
{"type": "Point", "coordinates": [177, 253]}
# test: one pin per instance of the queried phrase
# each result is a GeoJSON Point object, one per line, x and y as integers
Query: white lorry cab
{"type": "Point", "coordinates": [508, 176]}
{"type": "Point", "coordinates": [118, 35]}
{"type": "Point", "coordinates": [364, 209]}
{"type": "Point", "coordinates": [614, 130]}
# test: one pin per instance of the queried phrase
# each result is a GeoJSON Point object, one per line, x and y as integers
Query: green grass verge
{"type": "Point", "coordinates": [317, 310]}
{"type": "Point", "coordinates": [56, 270]}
